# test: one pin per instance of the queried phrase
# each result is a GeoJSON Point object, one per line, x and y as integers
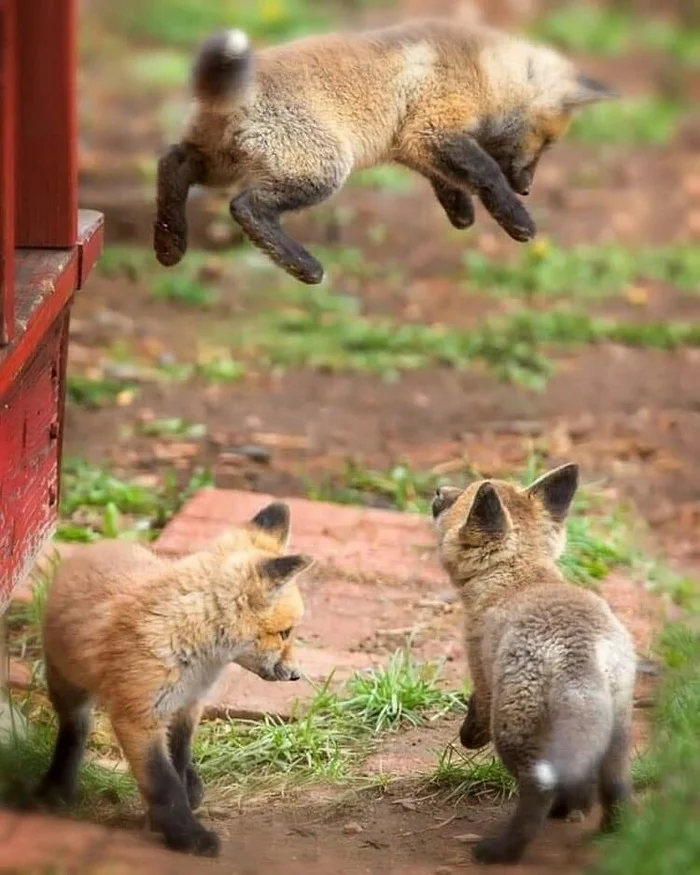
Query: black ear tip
{"type": "Point", "coordinates": [273, 516]}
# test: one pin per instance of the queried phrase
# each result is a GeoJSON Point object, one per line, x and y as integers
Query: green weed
{"type": "Point", "coordinates": [384, 177]}
{"type": "Point", "coordinates": [544, 270]}
{"type": "Point", "coordinates": [95, 392]}
{"type": "Point", "coordinates": [184, 289]}
{"type": "Point", "coordinates": [96, 503]}
{"type": "Point", "coordinates": [173, 427]}
{"type": "Point", "coordinates": [608, 30]}
{"type": "Point", "coordinates": [401, 693]}
{"type": "Point", "coordinates": [460, 775]}
{"type": "Point", "coordinates": [644, 121]}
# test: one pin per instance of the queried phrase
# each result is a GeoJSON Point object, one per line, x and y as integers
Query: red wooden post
{"type": "Point", "coordinates": [47, 136]}
{"type": "Point", "coordinates": [8, 42]}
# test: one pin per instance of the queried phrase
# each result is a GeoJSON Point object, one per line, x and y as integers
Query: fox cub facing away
{"type": "Point", "coordinates": [147, 637]}
{"type": "Point", "coordinates": [553, 669]}
{"type": "Point", "coordinates": [468, 107]}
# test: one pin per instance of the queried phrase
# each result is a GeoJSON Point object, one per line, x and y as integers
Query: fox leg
{"type": "Point", "coordinates": [258, 211]}
{"type": "Point", "coordinates": [530, 813]}
{"type": "Point", "coordinates": [145, 745]}
{"type": "Point", "coordinates": [73, 707]}
{"type": "Point", "coordinates": [180, 735]}
{"type": "Point", "coordinates": [475, 731]}
{"type": "Point", "coordinates": [461, 162]}
{"type": "Point", "coordinates": [614, 778]}
{"type": "Point", "coordinates": [456, 203]}
{"type": "Point", "coordinates": [178, 169]}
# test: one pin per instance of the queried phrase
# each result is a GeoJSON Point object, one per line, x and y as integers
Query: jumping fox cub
{"type": "Point", "coordinates": [468, 107]}
{"type": "Point", "coordinates": [147, 637]}
{"type": "Point", "coordinates": [553, 668]}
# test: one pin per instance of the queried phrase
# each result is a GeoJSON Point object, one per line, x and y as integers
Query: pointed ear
{"type": "Point", "coordinates": [556, 490]}
{"type": "Point", "coordinates": [280, 570]}
{"type": "Point", "coordinates": [585, 91]}
{"type": "Point", "coordinates": [487, 517]}
{"type": "Point", "coordinates": [274, 520]}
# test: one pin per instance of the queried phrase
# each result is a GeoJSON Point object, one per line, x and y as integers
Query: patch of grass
{"type": "Point", "coordinates": [161, 68]}
{"type": "Point", "coordinates": [24, 760]}
{"type": "Point", "coordinates": [644, 121]}
{"type": "Point", "coordinates": [185, 289]}
{"type": "Point", "coordinates": [607, 30]}
{"type": "Point", "coordinates": [461, 774]}
{"type": "Point", "coordinates": [384, 177]}
{"type": "Point", "coordinates": [173, 427]}
{"type": "Point", "coordinates": [544, 270]}
{"type": "Point", "coordinates": [95, 503]}
{"type": "Point", "coordinates": [218, 367]}
{"type": "Point", "coordinates": [662, 838]}
{"type": "Point", "coordinates": [183, 23]}
{"type": "Point", "coordinates": [124, 260]}
{"type": "Point", "coordinates": [402, 692]}
{"type": "Point", "coordinates": [327, 737]}
{"type": "Point", "coordinates": [93, 392]}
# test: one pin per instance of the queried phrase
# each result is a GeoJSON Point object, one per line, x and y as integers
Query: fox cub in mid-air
{"type": "Point", "coordinates": [146, 637]}
{"type": "Point", "coordinates": [468, 107]}
{"type": "Point", "coordinates": [553, 669]}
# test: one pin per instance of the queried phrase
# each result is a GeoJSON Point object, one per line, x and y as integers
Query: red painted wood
{"type": "Point", "coordinates": [47, 130]}
{"type": "Point", "coordinates": [45, 281]}
{"type": "Point", "coordinates": [30, 427]}
{"type": "Point", "coordinates": [7, 167]}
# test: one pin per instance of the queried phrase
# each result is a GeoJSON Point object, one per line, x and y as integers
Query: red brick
{"type": "Point", "coordinates": [362, 542]}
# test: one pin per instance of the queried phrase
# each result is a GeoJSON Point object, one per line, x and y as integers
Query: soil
{"type": "Point", "coordinates": [630, 416]}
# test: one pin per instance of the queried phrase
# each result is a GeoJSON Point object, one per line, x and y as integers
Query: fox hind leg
{"type": "Point", "coordinates": [145, 746]}
{"type": "Point", "coordinates": [531, 811]}
{"type": "Point", "coordinates": [180, 736]}
{"type": "Point", "coordinates": [73, 707]}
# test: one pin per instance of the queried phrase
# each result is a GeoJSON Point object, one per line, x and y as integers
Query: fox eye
{"type": "Point", "coordinates": [285, 633]}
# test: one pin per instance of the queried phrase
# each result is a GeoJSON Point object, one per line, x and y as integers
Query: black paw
{"type": "Point", "coordinates": [460, 210]}
{"type": "Point", "coordinates": [168, 245]}
{"type": "Point", "coordinates": [496, 850]}
{"type": "Point", "coordinates": [53, 796]}
{"type": "Point", "coordinates": [307, 271]}
{"type": "Point", "coordinates": [520, 225]}
{"type": "Point", "coordinates": [472, 735]}
{"type": "Point", "coordinates": [195, 788]}
{"type": "Point", "coordinates": [194, 840]}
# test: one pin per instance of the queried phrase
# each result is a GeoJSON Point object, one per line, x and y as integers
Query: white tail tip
{"type": "Point", "coordinates": [545, 775]}
{"type": "Point", "coordinates": [236, 43]}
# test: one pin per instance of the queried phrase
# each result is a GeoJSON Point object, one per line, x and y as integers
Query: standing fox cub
{"type": "Point", "coordinates": [553, 668]}
{"type": "Point", "coordinates": [147, 637]}
{"type": "Point", "coordinates": [468, 107]}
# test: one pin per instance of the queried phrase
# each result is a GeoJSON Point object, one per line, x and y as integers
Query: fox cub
{"type": "Point", "coordinates": [147, 637]}
{"type": "Point", "coordinates": [468, 107]}
{"type": "Point", "coordinates": [553, 669]}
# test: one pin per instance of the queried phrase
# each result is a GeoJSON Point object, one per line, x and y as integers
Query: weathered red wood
{"type": "Point", "coordinates": [30, 417]}
{"type": "Point", "coordinates": [47, 131]}
{"type": "Point", "coordinates": [7, 167]}
{"type": "Point", "coordinates": [45, 281]}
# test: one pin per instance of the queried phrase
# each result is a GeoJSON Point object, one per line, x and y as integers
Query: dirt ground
{"type": "Point", "coordinates": [631, 416]}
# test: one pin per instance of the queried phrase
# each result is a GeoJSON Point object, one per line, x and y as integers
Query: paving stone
{"type": "Point", "coordinates": [361, 542]}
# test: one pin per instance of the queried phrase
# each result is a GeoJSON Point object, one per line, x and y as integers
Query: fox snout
{"type": "Point", "coordinates": [279, 671]}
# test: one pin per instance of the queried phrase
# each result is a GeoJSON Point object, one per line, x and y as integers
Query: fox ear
{"type": "Point", "coordinates": [274, 519]}
{"type": "Point", "coordinates": [585, 91]}
{"type": "Point", "coordinates": [277, 572]}
{"type": "Point", "coordinates": [556, 490]}
{"type": "Point", "coordinates": [487, 518]}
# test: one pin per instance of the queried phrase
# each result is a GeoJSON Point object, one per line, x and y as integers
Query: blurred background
{"type": "Point", "coordinates": [428, 353]}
